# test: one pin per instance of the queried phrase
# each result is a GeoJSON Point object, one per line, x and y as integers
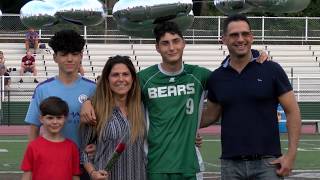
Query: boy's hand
{"type": "Point", "coordinates": [263, 57]}
{"type": "Point", "coordinates": [91, 150]}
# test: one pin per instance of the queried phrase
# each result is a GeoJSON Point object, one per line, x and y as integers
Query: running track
{"type": "Point", "coordinates": [211, 130]}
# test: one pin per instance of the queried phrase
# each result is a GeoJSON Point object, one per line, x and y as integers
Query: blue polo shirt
{"type": "Point", "coordinates": [249, 103]}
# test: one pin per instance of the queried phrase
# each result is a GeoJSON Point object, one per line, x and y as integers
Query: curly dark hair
{"type": "Point", "coordinates": [166, 27]}
{"type": "Point", "coordinates": [67, 41]}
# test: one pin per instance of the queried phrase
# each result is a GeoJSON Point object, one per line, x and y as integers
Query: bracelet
{"type": "Point", "coordinates": [90, 174]}
{"type": "Point", "coordinates": [88, 99]}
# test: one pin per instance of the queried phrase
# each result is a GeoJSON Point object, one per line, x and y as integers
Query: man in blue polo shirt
{"type": "Point", "coordinates": [246, 95]}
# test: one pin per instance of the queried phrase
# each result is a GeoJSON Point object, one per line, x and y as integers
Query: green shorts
{"type": "Point", "coordinates": [171, 176]}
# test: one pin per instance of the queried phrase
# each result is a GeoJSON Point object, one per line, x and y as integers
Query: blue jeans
{"type": "Point", "coordinates": [249, 170]}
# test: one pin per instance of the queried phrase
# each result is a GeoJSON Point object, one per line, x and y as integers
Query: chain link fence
{"type": "Point", "coordinates": [205, 29]}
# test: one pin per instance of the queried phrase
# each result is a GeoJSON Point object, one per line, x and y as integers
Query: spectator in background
{"type": "Point", "coordinates": [2, 59]}
{"type": "Point", "coordinates": [28, 64]}
{"type": "Point", "coordinates": [32, 40]}
{"type": "Point", "coordinates": [7, 79]}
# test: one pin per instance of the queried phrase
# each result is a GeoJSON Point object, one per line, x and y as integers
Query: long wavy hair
{"type": "Point", "coordinates": [103, 100]}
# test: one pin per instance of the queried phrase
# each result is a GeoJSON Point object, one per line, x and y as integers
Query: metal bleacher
{"type": "Point", "coordinates": [296, 60]}
{"type": "Point", "coordinates": [300, 62]}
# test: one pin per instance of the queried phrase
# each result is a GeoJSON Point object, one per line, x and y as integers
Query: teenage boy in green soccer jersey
{"type": "Point", "coordinates": [172, 93]}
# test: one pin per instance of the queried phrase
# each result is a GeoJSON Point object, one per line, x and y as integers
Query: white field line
{"type": "Point", "coordinates": [206, 172]}
{"type": "Point", "coordinates": [13, 141]}
{"type": "Point", "coordinates": [11, 172]}
{"type": "Point", "coordinates": [308, 144]}
{"type": "Point", "coordinates": [295, 171]}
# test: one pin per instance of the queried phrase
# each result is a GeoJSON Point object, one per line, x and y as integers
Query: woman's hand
{"type": "Point", "coordinates": [99, 175]}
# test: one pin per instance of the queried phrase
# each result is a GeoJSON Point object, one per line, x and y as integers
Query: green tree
{"type": "Point", "coordinates": [313, 10]}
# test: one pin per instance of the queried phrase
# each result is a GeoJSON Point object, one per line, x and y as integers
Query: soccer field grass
{"type": "Point", "coordinates": [12, 150]}
{"type": "Point", "coordinates": [308, 157]}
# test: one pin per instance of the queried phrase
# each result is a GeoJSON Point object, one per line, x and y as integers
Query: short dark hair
{"type": "Point", "coordinates": [67, 41]}
{"type": "Point", "coordinates": [232, 18]}
{"type": "Point", "coordinates": [54, 106]}
{"type": "Point", "coordinates": [166, 27]}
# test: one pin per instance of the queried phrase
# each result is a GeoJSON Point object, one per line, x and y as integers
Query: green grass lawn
{"type": "Point", "coordinates": [308, 157]}
{"type": "Point", "coordinates": [10, 161]}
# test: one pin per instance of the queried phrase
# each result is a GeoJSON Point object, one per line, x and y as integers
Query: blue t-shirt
{"type": "Point", "coordinates": [74, 94]}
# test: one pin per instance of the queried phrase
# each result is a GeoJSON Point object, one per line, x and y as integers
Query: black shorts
{"type": "Point", "coordinates": [28, 69]}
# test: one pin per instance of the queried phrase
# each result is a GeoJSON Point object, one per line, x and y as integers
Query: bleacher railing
{"type": "Point", "coordinates": [15, 101]}
{"type": "Point", "coordinates": [307, 89]}
{"type": "Point", "coordinates": [205, 29]}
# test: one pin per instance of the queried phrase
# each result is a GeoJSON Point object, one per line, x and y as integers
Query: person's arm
{"type": "Point", "coordinates": [210, 114]}
{"type": "Point", "coordinates": [75, 178]}
{"type": "Point", "coordinates": [75, 163]}
{"type": "Point", "coordinates": [33, 132]}
{"type": "Point", "coordinates": [22, 64]}
{"type": "Point", "coordinates": [95, 174]}
{"type": "Point", "coordinates": [87, 146]}
{"type": "Point", "coordinates": [9, 81]}
{"type": "Point", "coordinates": [27, 175]}
{"type": "Point", "coordinates": [33, 64]}
{"type": "Point", "coordinates": [87, 114]}
{"type": "Point", "coordinates": [291, 108]}
{"type": "Point", "coordinates": [198, 140]}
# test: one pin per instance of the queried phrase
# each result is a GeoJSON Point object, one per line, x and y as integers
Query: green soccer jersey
{"type": "Point", "coordinates": [173, 105]}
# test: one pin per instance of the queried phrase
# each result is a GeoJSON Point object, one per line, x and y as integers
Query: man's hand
{"type": "Point", "coordinates": [285, 165]}
{"type": "Point", "coordinates": [198, 140]}
{"type": "Point", "coordinates": [87, 114]}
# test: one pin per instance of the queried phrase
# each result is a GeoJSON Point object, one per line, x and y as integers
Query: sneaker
{"type": "Point", "coordinates": [35, 81]}
{"type": "Point", "coordinates": [21, 81]}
